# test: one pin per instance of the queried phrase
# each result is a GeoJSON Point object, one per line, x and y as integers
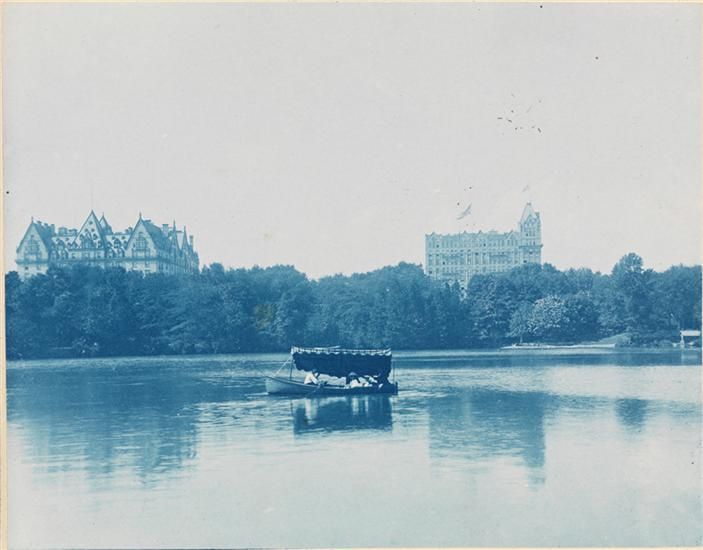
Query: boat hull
{"type": "Point", "coordinates": [285, 386]}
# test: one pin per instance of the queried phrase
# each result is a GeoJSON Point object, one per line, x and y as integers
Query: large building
{"type": "Point", "coordinates": [460, 256]}
{"type": "Point", "coordinates": [146, 247]}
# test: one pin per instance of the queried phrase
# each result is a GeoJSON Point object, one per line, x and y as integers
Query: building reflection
{"type": "Point", "coordinates": [631, 413]}
{"type": "Point", "coordinates": [359, 412]}
{"type": "Point", "coordinates": [485, 424]}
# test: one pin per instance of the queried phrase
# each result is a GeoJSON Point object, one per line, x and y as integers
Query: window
{"type": "Point", "coordinates": [141, 247]}
{"type": "Point", "coordinates": [31, 251]}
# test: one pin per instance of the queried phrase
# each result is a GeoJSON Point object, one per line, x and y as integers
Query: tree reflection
{"type": "Point", "coordinates": [357, 412]}
{"type": "Point", "coordinates": [102, 419]}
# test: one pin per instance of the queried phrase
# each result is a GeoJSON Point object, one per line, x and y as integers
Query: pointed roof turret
{"type": "Point", "coordinates": [184, 238]}
{"type": "Point", "coordinates": [107, 229]}
{"type": "Point", "coordinates": [173, 235]}
{"type": "Point", "coordinates": [527, 212]}
{"type": "Point", "coordinates": [91, 229]}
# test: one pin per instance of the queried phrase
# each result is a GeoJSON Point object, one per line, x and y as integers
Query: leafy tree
{"type": "Point", "coordinates": [581, 318]}
{"type": "Point", "coordinates": [548, 319]}
{"type": "Point", "coordinates": [520, 326]}
{"type": "Point", "coordinates": [90, 311]}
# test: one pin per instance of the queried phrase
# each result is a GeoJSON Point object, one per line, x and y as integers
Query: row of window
{"type": "Point", "coordinates": [470, 259]}
{"type": "Point", "coordinates": [484, 244]}
{"type": "Point", "coordinates": [454, 273]}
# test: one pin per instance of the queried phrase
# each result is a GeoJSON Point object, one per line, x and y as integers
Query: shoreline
{"type": "Point", "coordinates": [274, 356]}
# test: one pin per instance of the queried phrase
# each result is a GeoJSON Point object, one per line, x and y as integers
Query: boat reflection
{"type": "Point", "coordinates": [327, 414]}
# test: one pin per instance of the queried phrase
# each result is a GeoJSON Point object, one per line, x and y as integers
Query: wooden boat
{"type": "Point", "coordinates": [286, 386]}
{"type": "Point", "coordinates": [339, 363]}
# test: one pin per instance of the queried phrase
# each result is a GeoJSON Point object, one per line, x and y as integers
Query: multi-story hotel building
{"type": "Point", "coordinates": [146, 247]}
{"type": "Point", "coordinates": [460, 256]}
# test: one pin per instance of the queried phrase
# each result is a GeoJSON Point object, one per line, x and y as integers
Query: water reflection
{"type": "Point", "coordinates": [101, 420]}
{"type": "Point", "coordinates": [484, 424]}
{"type": "Point", "coordinates": [362, 412]}
{"type": "Point", "coordinates": [115, 452]}
{"type": "Point", "coordinates": [632, 413]}
{"type": "Point", "coordinates": [522, 357]}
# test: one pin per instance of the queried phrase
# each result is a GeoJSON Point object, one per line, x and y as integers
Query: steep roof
{"type": "Point", "coordinates": [105, 226]}
{"type": "Point", "coordinates": [527, 212]}
{"type": "Point", "coordinates": [45, 232]}
{"type": "Point", "coordinates": [157, 235]}
{"type": "Point", "coordinates": [91, 222]}
{"type": "Point", "coordinates": [183, 238]}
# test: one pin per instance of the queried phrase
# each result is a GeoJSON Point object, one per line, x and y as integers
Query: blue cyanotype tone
{"type": "Point", "coordinates": [543, 448]}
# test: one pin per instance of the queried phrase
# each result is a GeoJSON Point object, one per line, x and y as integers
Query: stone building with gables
{"type": "Point", "coordinates": [145, 247]}
{"type": "Point", "coordinates": [458, 257]}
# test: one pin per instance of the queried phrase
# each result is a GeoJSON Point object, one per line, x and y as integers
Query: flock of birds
{"type": "Point", "coordinates": [514, 119]}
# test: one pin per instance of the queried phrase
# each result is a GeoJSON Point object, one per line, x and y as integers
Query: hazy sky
{"type": "Point", "coordinates": [333, 137]}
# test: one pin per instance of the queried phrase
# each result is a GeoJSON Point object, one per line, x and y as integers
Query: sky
{"type": "Point", "coordinates": [333, 137]}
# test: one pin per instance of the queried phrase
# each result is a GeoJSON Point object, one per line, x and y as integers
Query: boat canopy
{"type": "Point", "coordinates": [341, 362]}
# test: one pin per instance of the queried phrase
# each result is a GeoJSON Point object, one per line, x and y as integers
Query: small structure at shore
{"type": "Point", "coordinates": [690, 338]}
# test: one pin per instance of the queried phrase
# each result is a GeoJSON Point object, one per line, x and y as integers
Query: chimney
{"type": "Point", "coordinates": [191, 240]}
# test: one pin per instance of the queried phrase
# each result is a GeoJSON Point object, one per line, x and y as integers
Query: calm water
{"type": "Point", "coordinates": [596, 448]}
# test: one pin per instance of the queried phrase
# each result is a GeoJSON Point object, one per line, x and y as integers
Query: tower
{"type": "Point", "coordinates": [530, 231]}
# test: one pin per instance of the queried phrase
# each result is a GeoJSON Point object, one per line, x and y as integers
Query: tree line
{"type": "Point", "coordinates": [88, 311]}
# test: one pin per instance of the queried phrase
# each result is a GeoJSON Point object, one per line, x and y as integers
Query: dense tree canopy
{"type": "Point", "coordinates": [90, 311]}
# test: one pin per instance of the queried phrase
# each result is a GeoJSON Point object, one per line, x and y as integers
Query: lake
{"type": "Point", "coordinates": [508, 448]}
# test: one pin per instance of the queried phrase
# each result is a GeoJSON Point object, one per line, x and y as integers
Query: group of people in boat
{"type": "Point", "coordinates": [352, 380]}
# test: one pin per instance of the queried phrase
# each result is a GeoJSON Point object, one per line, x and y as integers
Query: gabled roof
{"type": "Point", "coordinates": [173, 237]}
{"type": "Point", "coordinates": [44, 232]}
{"type": "Point", "coordinates": [183, 241]}
{"type": "Point", "coordinates": [91, 221]}
{"type": "Point", "coordinates": [157, 235]}
{"type": "Point", "coordinates": [105, 226]}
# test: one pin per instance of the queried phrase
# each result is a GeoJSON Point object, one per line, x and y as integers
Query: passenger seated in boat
{"type": "Point", "coordinates": [357, 381]}
{"type": "Point", "coordinates": [312, 378]}
{"type": "Point", "coordinates": [353, 381]}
